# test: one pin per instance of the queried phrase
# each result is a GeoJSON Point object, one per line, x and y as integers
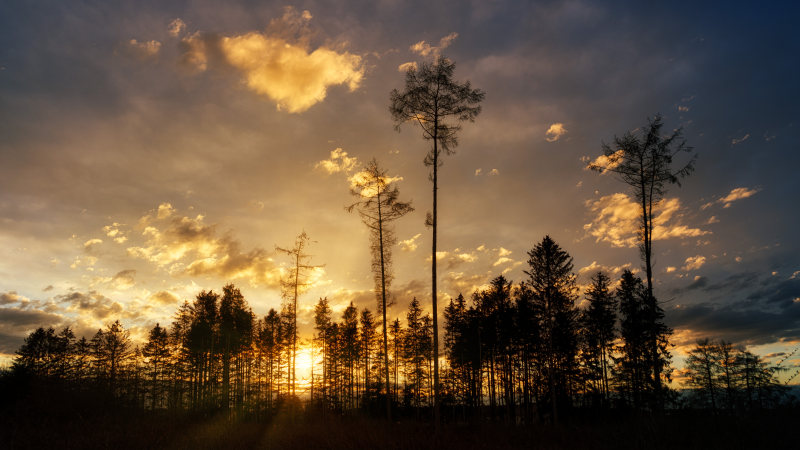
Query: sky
{"type": "Point", "coordinates": [151, 150]}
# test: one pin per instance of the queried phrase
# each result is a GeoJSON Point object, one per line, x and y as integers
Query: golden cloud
{"type": "Point", "coordinates": [185, 245]}
{"type": "Point", "coordinates": [555, 132]}
{"type": "Point", "coordinates": [406, 66]}
{"type": "Point", "coordinates": [594, 267]}
{"type": "Point", "coordinates": [424, 49]}
{"type": "Point", "coordinates": [338, 162]}
{"type": "Point", "coordinates": [737, 194]}
{"type": "Point", "coordinates": [605, 163]}
{"type": "Point", "coordinates": [694, 262]}
{"type": "Point", "coordinates": [164, 298]}
{"type": "Point", "coordinates": [617, 221]}
{"type": "Point", "coordinates": [115, 232]}
{"type": "Point", "coordinates": [287, 73]}
{"type": "Point", "coordinates": [409, 245]}
{"type": "Point", "coordinates": [176, 27]}
{"type": "Point", "coordinates": [142, 49]}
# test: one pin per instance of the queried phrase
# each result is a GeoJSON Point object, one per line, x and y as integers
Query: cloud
{"type": "Point", "coordinates": [288, 74]}
{"type": "Point", "coordinates": [736, 141]}
{"type": "Point", "coordinates": [6, 298]}
{"type": "Point", "coordinates": [91, 244]}
{"type": "Point", "coordinates": [683, 108]}
{"type": "Point", "coordinates": [188, 246]}
{"type": "Point", "coordinates": [737, 194]}
{"type": "Point", "coordinates": [503, 252]}
{"type": "Point", "coordinates": [594, 267]}
{"type": "Point", "coordinates": [501, 260]}
{"type": "Point", "coordinates": [176, 27]}
{"type": "Point", "coordinates": [338, 162]}
{"type": "Point", "coordinates": [114, 232]}
{"type": "Point", "coordinates": [694, 262]}
{"type": "Point", "coordinates": [16, 323]}
{"type": "Point", "coordinates": [281, 68]}
{"type": "Point", "coordinates": [124, 279]}
{"type": "Point", "coordinates": [406, 66]}
{"type": "Point", "coordinates": [462, 283]}
{"type": "Point", "coordinates": [164, 298]}
{"type": "Point", "coordinates": [422, 48]}
{"type": "Point", "coordinates": [555, 132]}
{"type": "Point", "coordinates": [605, 163]}
{"type": "Point", "coordinates": [93, 303]}
{"type": "Point", "coordinates": [359, 179]}
{"type": "Point", "coordinates": [617, 221]}
{"type": "Point", "coordinates": [409, 245]}
{"type": "Point", "coordinates": [739, 323]}
{"type": "Point", "coordinates": [142, 49]}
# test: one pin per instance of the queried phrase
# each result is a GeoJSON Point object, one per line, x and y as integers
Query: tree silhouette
{"type": "Point", "coordinates": [599, 320]}
{"type": "Point", "coordinates": [112, 350]}
{"type": "Point", "coordinates": [553, 292]}
{"type": "Point", "coordinates": [157, 351]}
{"type": "Point", "coordinates": [644, 162]}
{"type": "Point", "coordinates": [292, 286]}
{"type": "Point", "coordinates": [438, 103]}
{"type": "Point", "coordinates": [703, 367]}
{"type": "Point", "coordinates": [378, 206]}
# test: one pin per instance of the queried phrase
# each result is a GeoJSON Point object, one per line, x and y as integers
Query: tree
{"type": "Point", "coordinates": [438, 104]}
{"type": "Point", "coordinates": [112, 349]}
{"type": "Point", "coordinates": [157, 351]}
{"type": "Point", "coordinates": [378, 207]}
{"type": "Point", "coordinates": [703, 369]}
{"type": "Point", "coordinates": [46, 353]}
{"type": "Point", "coordinates": [322, 325]}
{"type": "Point", "coordinates": [553, 292]}
{"type": "Point", "coordinates": [640, 326]}
{"type": "Point", "coordinates": [235, 334]}
{"type": "Point", "coordinates": [292, 286]}
{"type": "Point", "coordinates": [599, 320]}
{"type": "Point", "coordinates": [644, 162]}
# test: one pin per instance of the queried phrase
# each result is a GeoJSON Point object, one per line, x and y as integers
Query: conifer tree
{"type": "Point", "coordinates": [437, 103]}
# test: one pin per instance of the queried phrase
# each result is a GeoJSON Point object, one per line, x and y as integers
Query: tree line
{"type": "Point", "coordinates": [523, 353]}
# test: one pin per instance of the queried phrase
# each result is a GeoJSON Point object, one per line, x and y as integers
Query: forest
{"type": "Point", "coordinates": [533, 363]}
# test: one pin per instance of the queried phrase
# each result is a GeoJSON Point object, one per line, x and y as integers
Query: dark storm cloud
{"type": "Point", "coordinates": [742, 325]}
{"type": "Point", "coordinates": [746, 309]}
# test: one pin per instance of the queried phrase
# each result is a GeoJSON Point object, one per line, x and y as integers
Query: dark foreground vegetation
{"type": "Point", "coordinates": [47, 418]}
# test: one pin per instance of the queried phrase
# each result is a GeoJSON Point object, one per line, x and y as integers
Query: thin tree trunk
{"type": "Point", "coordinates": [383, 299]}
{"type": "Point", "coordinates": [436, 412]}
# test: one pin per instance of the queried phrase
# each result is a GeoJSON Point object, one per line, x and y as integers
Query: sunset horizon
{"type": "Point", "coordinates": [156, 152]}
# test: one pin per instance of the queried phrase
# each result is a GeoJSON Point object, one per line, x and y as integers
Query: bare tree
{"type": "Point", "coordinates": [292, 286]}
{"type": "Point", "coordinates": [438, 103]}
{"type": "Point", "coordinates": [644, 162]}
{"type": "Point", "coordinates": [378, 207]}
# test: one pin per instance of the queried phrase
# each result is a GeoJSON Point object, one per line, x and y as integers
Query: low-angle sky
{"type": "Point", "coordinates": [150, 150]}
